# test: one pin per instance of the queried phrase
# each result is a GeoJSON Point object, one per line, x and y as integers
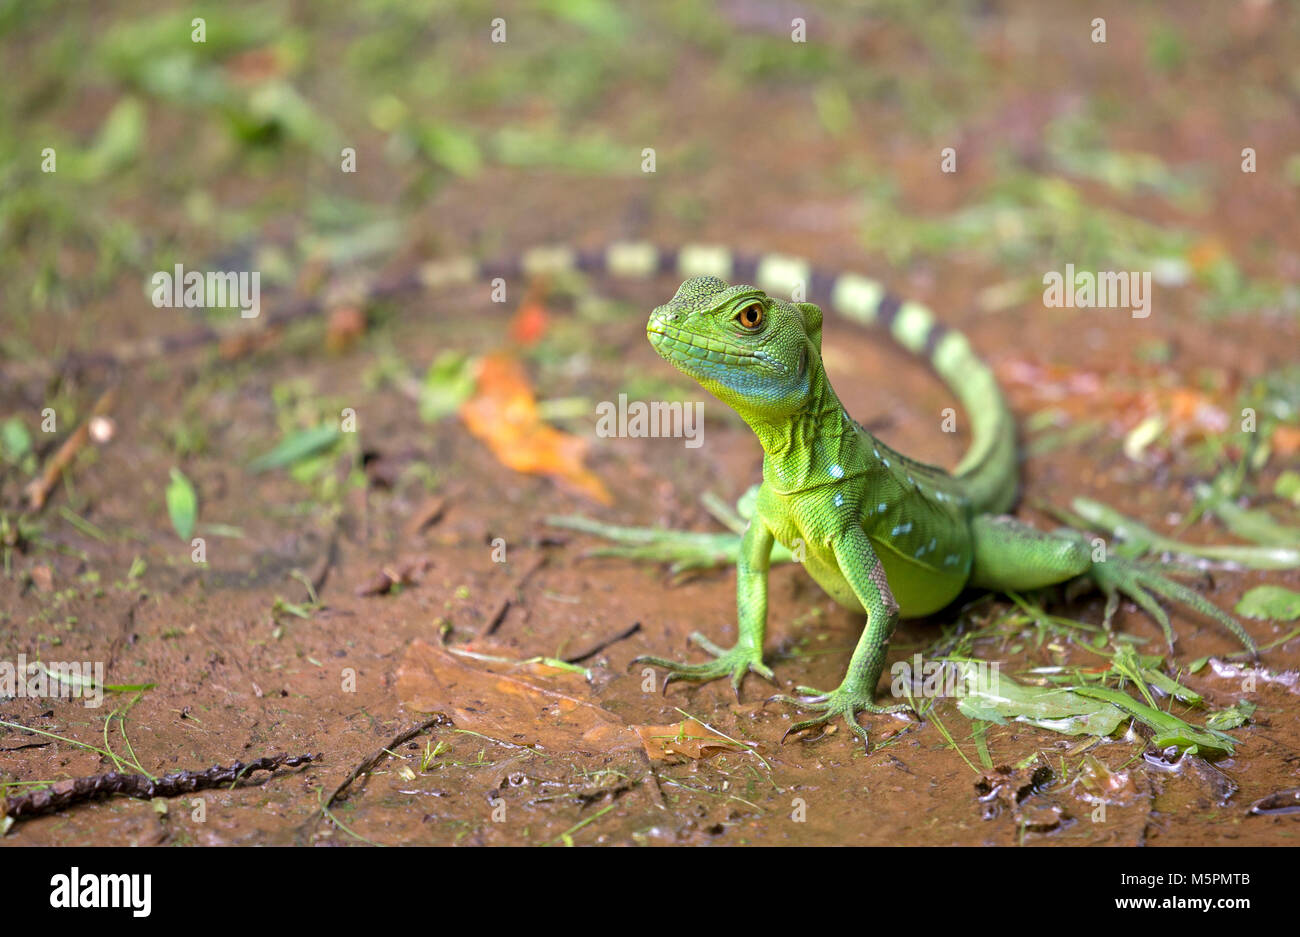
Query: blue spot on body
{"type": "Point", "coordinates": [837, 471]}
{"type": "Point", "coordinates": [839, 500]}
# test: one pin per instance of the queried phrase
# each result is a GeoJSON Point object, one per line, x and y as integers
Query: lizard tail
{"type": "Point", "coordinates": [989, 471]}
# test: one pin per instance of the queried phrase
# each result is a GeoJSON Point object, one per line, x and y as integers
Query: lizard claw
{"type": "Point", "coordinates": [735, 662]}
{"type": "Point", "coordinates": [1138, 579]}
{"type": "Point", "coordinates": [837, 703]}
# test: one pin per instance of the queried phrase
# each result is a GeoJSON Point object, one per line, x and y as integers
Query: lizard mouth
{"type": "Point", "coordinates": [685, 348]}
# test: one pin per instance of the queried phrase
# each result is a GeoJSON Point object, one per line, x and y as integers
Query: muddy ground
{"type": "Point", "coordinates": [246, 661]}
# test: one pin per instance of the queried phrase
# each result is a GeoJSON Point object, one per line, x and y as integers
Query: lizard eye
{"type": "Point", "coordinates": [751, 317]}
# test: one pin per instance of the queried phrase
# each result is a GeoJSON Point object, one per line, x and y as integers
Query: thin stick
{"type": "Point", "coordinates": [38, 490]}
{"type": "Point", "coordinates": [65, 794]}
{"type": "Point", "coordinates": [368, 763]}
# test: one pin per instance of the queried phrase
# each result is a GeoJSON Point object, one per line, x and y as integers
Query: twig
{"type": "Point", "coordinates": [506, 603]}
{"type": "Point", "coordinates": [69, 793]}
{"type": "Point", "coordinates": [495, 619]}
{"type": "Point", "coordinates": [367, 764]}
{"type": "Point", "coordinates": [622, 635]}
{"type": "Point", "coordinates": [38, 490]}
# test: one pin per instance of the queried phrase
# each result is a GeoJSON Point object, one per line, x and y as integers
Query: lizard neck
{"type": "Point", "coordinates": [815, 446]}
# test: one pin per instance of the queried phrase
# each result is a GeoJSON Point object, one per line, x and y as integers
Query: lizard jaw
{"type": "Point", "coordinates": [694, 353]}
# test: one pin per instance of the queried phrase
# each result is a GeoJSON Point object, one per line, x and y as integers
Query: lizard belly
{"type": "Point", "coordinates": [919, 588]}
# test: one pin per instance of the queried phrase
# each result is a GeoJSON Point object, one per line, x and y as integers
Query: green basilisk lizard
{"type": "Point", "coordinates": [883, 534]}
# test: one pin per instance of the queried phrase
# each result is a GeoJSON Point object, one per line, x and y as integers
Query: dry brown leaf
{"type": "Point", "coordinates": [345, 327]}
{"type": "Point", "coordinates": [43, 577]}
{"type": "Point", "coordinates": [688, 738]}
{"type": "Point", "coordinates": [509, 702]}
{"type": "Point", "coordinates": [403, 573]}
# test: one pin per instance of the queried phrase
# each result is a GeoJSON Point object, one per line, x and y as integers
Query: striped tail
{"type": "Point", "coordinates": [989, 471]}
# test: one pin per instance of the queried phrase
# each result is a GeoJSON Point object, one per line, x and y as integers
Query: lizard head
{"type": "Point", "coordinates": [755, 353]}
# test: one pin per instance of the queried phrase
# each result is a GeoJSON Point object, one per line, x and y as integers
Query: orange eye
{"type": "Point", "coordinates": [751, 317]}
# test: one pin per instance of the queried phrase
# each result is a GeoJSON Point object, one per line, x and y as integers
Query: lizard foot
{"type": "Point", "coordinates": [734, 662]}
{"type": "Point", "coordinates": [1138, 579]}
{"type": "Point", "coordinates": [839, 702]}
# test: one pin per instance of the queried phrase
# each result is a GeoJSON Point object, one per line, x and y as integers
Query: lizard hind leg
{"type": "Point", "coordinates": [1010, 555]}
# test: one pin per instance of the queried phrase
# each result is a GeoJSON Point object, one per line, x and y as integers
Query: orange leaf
{"type": "Point", "coordinates": [1205, 253]}
{"type": "Point", "coordinates": [529, 323]}
{"type": "Point", "coordinates": [503, 414]}
{"type": "Point", "coordinates": [1286, 440]}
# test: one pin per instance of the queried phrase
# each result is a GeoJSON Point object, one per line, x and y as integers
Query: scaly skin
{"type": "Point", "coordinates": [881, 533]}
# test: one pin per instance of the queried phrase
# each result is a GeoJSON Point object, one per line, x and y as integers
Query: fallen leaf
{"type": "Point", "coordinates": [1286, 440]}
{"type": "Point", "coordinates": [346, 325]}
{"type": "Point", "coordinates": [43, 577]}
{"type": "Point", "coordinates": [1270, 602]}
{"type": "Point", "coordinates": [503, 414]}
{"type": "Point", "coordinates": [687, 738]}
{"type": "Point", "coordinates": [182, 504]}
{"type": "Point", "coordinates": [1101, 785]}
{"type": "Point", "coordinates": [447, 384]}
{"type": "Point", "coordinates": [403, 573]}
{"type": "Point", "coordinates": [1052, 708]}
{"type": "Point", "coordinates": [509, 702]}
{"type": "Point", "coordinates": [529, 323]}
{"type": "Point", "coordinates": [296, 447]}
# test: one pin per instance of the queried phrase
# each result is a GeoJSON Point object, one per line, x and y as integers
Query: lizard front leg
{"type": "Point", "coordinates": [857, 693]}
{"type": "Point", "coordinates": [751, 607]}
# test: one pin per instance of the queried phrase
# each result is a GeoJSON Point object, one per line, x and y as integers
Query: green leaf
{"type": "Point", "coordinates": [182, 504]}
{"type": "Point", "coordinates": [119, 141]}
{"type": "Point", "coordinates": [15, 441]}
{"type": "Point", "coordinates": [447, 384]}
{"type": "Point", "coordinates": [298, 446]}
{"type": "Point", "coordinates": [1171, 687]}
{"type": "Point", "coordinates": [1231, 717]}
{"type": "Point", "coordinates": [452, 148]}
{"type": "Point", "coordinates": [1166, 729]}
{"type": "Point", "coordinates": [1270, 602]}
{"type": "Point", "coordinates": [1052, 708]}
{"type": "Point", "coordinates": [1100, 516]}
{"type": "Point", "coordinates": [1288, 486]}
